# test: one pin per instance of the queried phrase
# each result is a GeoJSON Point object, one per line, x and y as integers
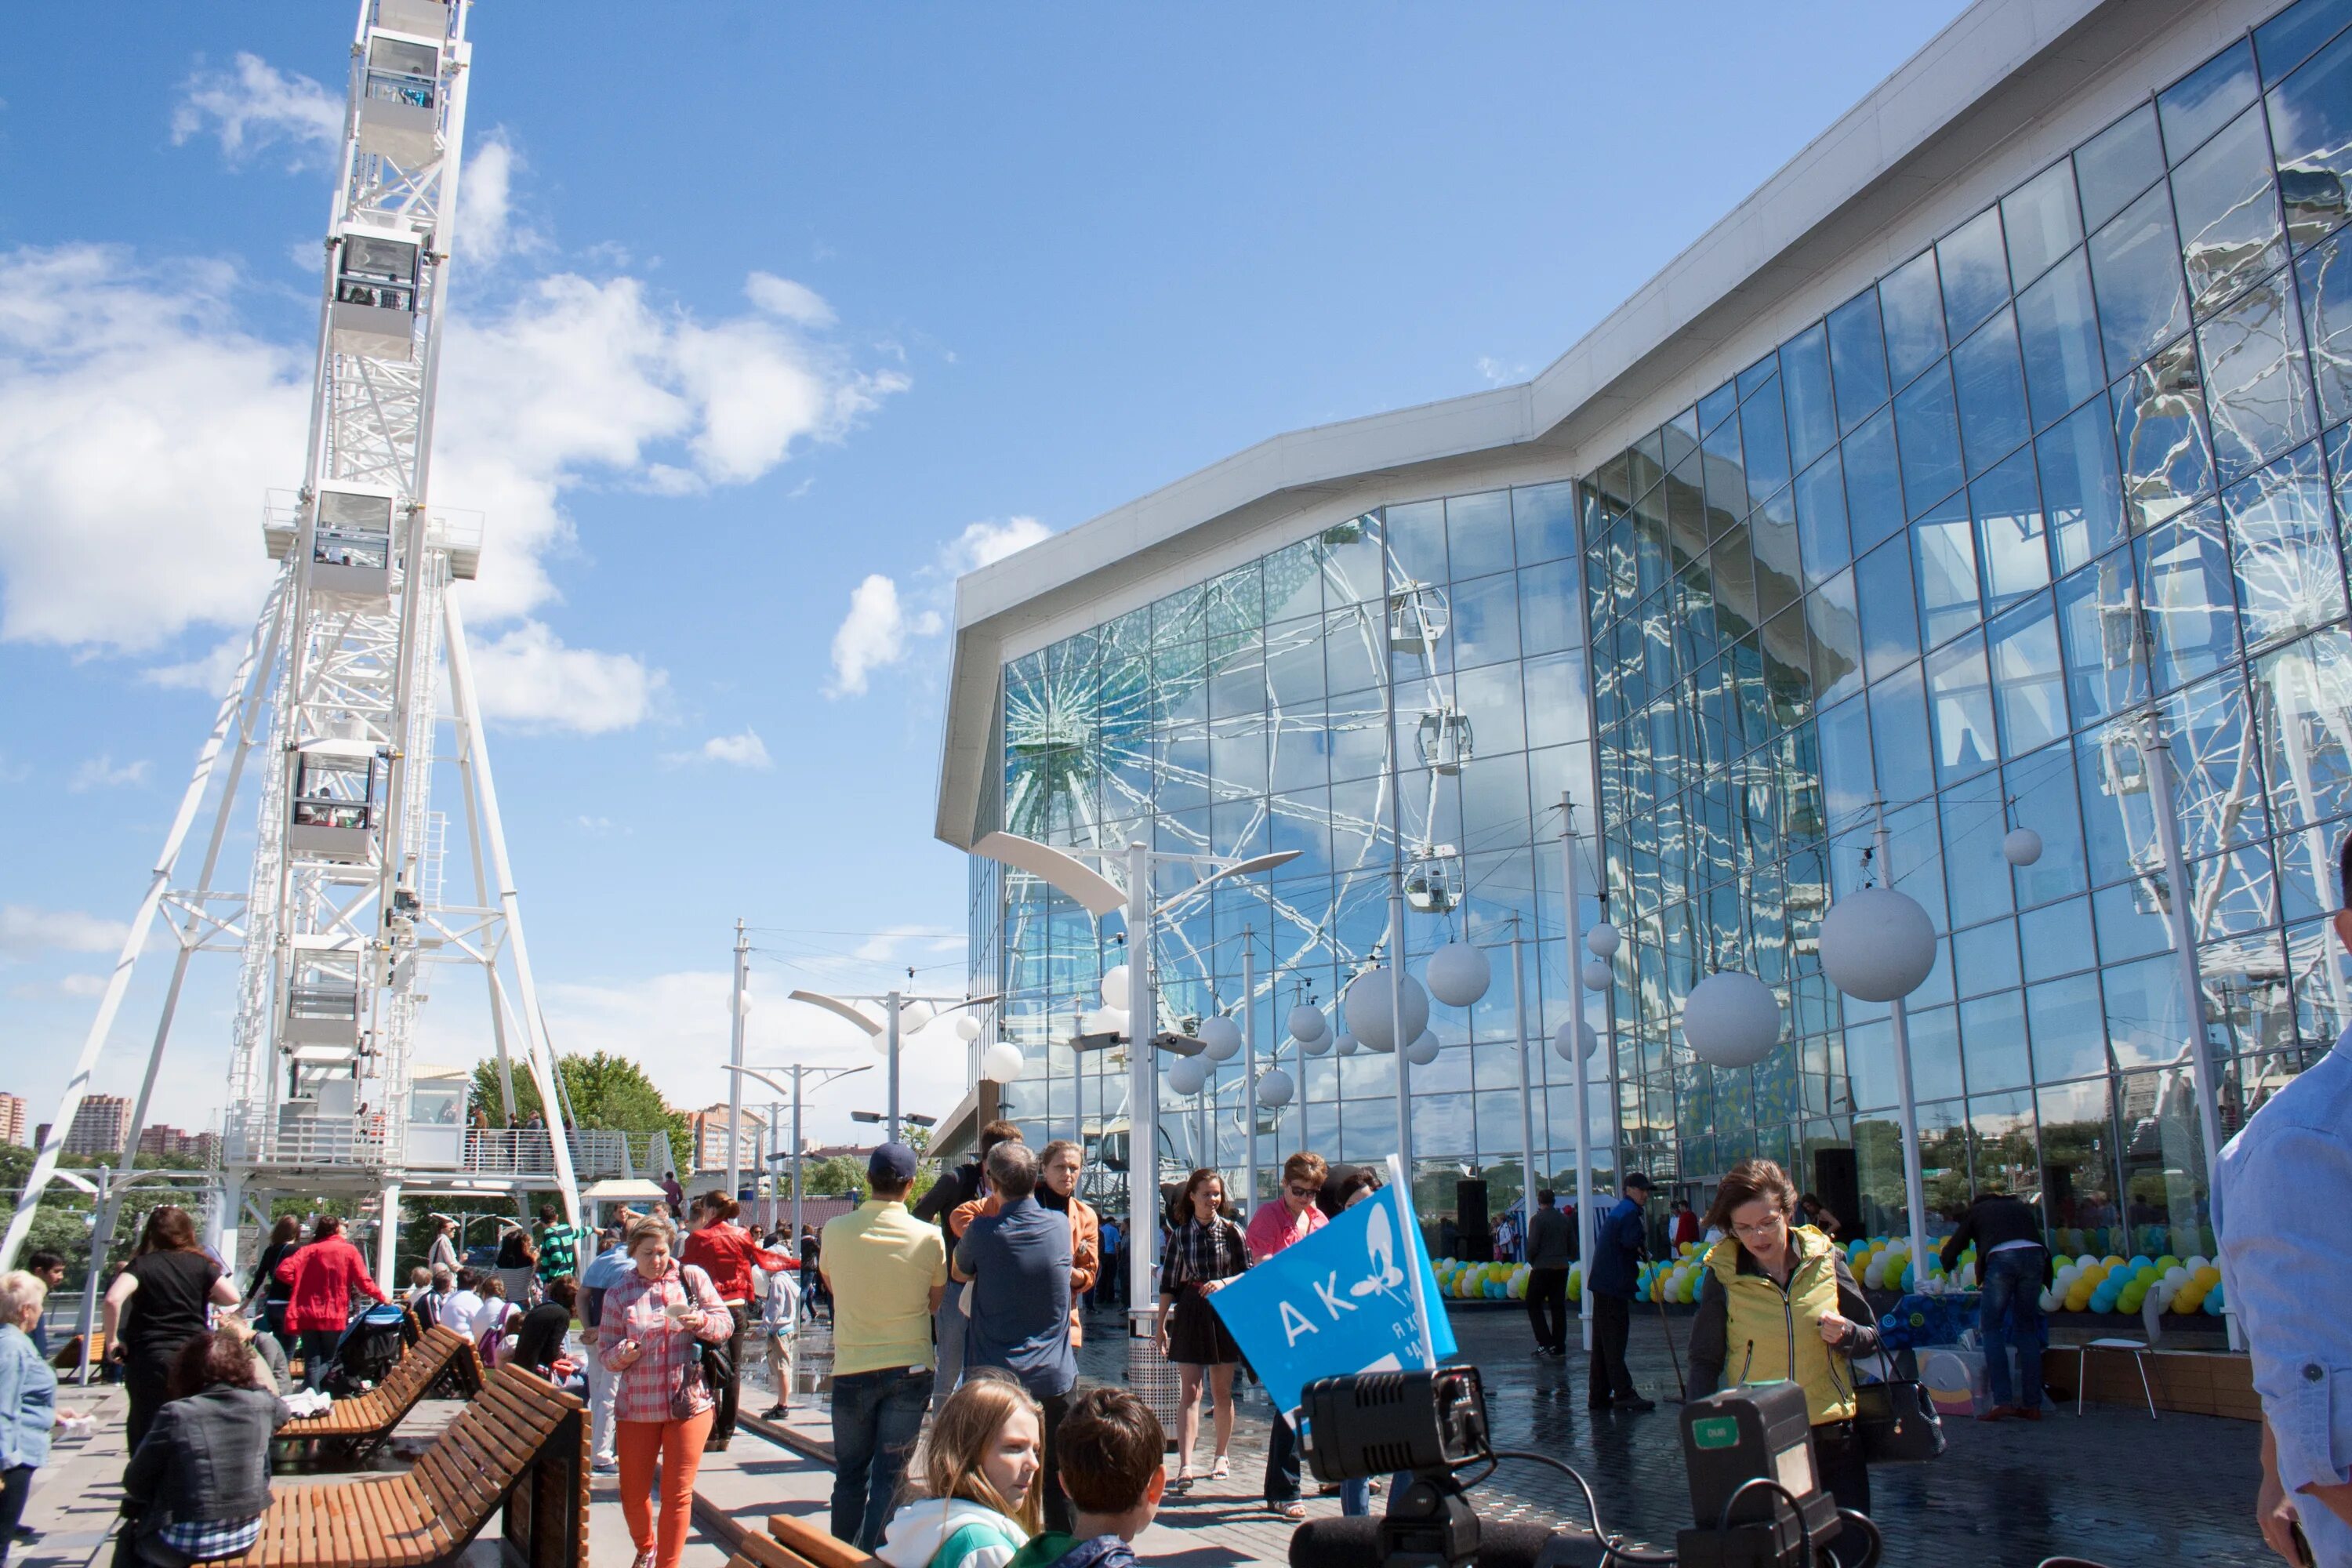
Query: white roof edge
{"type": "Point", "coordinates": [1965, 62]}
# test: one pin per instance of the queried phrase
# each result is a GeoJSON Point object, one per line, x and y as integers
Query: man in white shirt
{"type": "Point", "coordinates": [461, 1306]}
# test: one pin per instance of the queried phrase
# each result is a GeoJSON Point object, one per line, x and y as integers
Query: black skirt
{"type": "Point", "coordinates": [1196, 1335]}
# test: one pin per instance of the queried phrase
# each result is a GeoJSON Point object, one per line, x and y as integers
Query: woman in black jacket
{"type": "Point", "coordinates": [199, 1483]}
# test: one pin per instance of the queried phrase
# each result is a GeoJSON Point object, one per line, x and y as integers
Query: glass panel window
{"type": "Point", "coordinates": [1975, 270]}
{"type": "Point", "coordinates": [1977, 882]}
{"type": "Point", "coordinates": [1547, 618]}
{"type": "Point", "coordinates": [2207, 99]}
{"type": "Point", "coordinates": [2302, 697]}
{"type": "Point", "coordinates": [2290, 580]}
{"type": "Point", "coordinates": [2099, 627]}
{"type": "Point", "coordinates": [1898, 724]}
{"type": "Point", "coordinates": [1845, 758]}
{"type": "Point", "coordinates": [1890, 627]}
{"type": "Point", "coordinates": [1727, 499]}
{"type": "Point", "coordinates": [1837, 639]}
{"type": "Point", "coordinates": [2326, 276]}
{"type": "Point", "coordinates": [1819, 496]}
{"type": "Point", "coordinates": [2065, 1019]}
{"type": "Point", "coordinates": [1857, 358]}
{"type": "Point", "coordinates": [2185, 586]}
{"type": "Point", "coordinates": [2286, 40]}
{"type": "Point", "coordinates": [2058, 328]}
{"type": "Point", "coordinates": [1927, 435]}
{"type": "Point", "coordinates": [2229, 215]}
{"type": "Point", "coordinates": [2160, 431]}
{"type": "Point", "coordinates": [1544, 517]}
{"type": "Point", "coordinates": [2117, 164]}
{"type": "Point", "coordinates": [2028, 675]}
{"type": "Point", "coordinates": [2041, 791]}
{"type": "Point", "coordinates": [1945, 543]}
{"type": "Point", "coordinates": [2042, 221]}
{"type": "Point", "coordinates": [1914, 310]}
{"type": "Point", "coordinates": [1717, 406]}
{"type": "Point", "coordinates": [1993, 1036]}
{"type": "Point", "coordinates": [1764, 440]}
{"type": "Point", "coordinates": [2311, 134]}
{"type": "Point", "coordinates": [1486, 620]}
{"type": "Point", "coordinates": [2080, 488]}
{"type": "Point", "coordinates": [2260, 398]}
{"type": "Point", "coordinates": [1772, 535]}
{"type": "Point", "coordinates": [1478, 533]}
{"type": "Point", "coordinates": [1805, 387]}
{"type": "Point", "coordinates": [1873, 482]}
{"type": "Point", "coordinates": [2012, 544]}
{"type": "Point", "coordinates": [1959, 697]}
{"type": "Point", "coordinates": [2136, 265]}
{"type": "Point", "coordinates": [1991, 394]}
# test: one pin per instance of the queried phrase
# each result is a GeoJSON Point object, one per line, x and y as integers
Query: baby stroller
{"type": "Point", "coordinates": [369, 1347]}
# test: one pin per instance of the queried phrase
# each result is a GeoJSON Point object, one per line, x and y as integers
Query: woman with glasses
{"type": "Point", "coordinates": [1292, 1216]}
{"type": "Point", "coordinates": [1206, 1253]}
{"type": "Point", "coordinates": [1777, 1302]}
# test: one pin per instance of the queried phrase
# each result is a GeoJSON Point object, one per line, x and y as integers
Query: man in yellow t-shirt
{"type": "Point", "coordinates": [885, 1271]}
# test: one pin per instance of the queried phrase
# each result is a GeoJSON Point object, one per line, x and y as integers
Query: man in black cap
{"type": "Point", "coordinates": [1617, 1248]}
{"type": "Point", "coordinates": [887, 1271]}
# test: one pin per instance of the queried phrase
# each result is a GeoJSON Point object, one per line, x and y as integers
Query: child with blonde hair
{"type": "Point", "coordinates": [984, 1501]}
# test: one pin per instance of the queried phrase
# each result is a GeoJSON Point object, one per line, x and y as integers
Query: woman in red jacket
{"type": "Point", "coordinates": [321, 1277]}
{"type": "Point", "coordinates": [729, 1253]}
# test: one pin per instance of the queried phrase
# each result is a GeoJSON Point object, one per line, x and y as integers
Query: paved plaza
{"type": "Point", "coordinates": [2112, 1485]}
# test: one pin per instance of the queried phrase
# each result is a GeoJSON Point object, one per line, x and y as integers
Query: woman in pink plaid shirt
{"type": "Point", "coordinates": [663, 1404]}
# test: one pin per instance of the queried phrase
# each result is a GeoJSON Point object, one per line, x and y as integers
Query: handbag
{"type": "Point", "coordinates": [1896, 1423]}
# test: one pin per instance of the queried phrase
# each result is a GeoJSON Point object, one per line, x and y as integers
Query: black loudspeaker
{"type": "Point", "coordinates": [1837, 1181]}
{"type": "Point", "coordinates": [1477, 1239]}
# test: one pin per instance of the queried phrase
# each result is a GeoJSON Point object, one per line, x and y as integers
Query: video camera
{"type": "Point", "coordinates": [1756, 1491]}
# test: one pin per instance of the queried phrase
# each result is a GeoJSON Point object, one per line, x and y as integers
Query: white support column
{"type": "Point", "coordinates": [736, 1005]}
{"type": "Point", "coordinates": [228, 1222]}
{"type": "Point", "coordinates": [1574, 968]}
{"type": "Point", "coordinates": [387, 1238]}
{"type": "Point", "coordinates": [1143, 1096]}
{"type": "Point", "coordinates": [1249, 1070]}
{"type": "Point", "coordinates": [540, 1055]}
{"type": "Point", "coordinates": [1527, 1180]}
{"type": "Point", "coordinates": [892, 1003]}
{"type": "Point", "coordinates": [1914, 1194]}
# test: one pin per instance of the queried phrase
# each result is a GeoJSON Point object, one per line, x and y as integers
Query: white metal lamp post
{"type": "Point", "coordinates": [799, 1071]}
{"type": "Point", "coordinates": [1098, 895]}
{"type": "Point", "coordinates": [897, 1006]}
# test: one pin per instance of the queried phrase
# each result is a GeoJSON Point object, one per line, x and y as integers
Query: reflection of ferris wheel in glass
{"type": "Point", "coordinates": [1134, 723]}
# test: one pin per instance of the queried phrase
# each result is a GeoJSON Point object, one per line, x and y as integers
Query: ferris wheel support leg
{"type": "Point", "coordinates": [159, 882]}
{"type": "Point", "coordinates": [387, 1239]}
{"type": "Point", "coordinates": [227, 1221]}
{"type": "Point", "coordinates": [537, 1053]}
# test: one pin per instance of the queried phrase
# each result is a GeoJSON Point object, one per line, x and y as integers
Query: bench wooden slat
{"type": "Point", "coordinates": [803, 1542]}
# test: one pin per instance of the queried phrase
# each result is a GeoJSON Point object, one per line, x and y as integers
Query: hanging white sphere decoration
{"type": "Point", "coordinates": [1422, 1051]}
{"type": "Point", "coordinates": [1316, 1046]}
{"type": "Point", "coordinates": [1273, 1087]}
{"type": "Point", "coordinates": [1001, 1063]}
{"type": "Point", "coordinates": [1596, 974]}
{"type": "Point", "coordinates": [2022, 846]}
{"type": "Point", "coordinates": [1347, 1045]}
{"type": "Point", "coordinates": [743, 1002]}
{"type": "Point", "coordinates": [1368, 1004]}
{"type": "Point", "coordinates": [1221, 1038]}
{"type": "Point", "coordinates": [1731, 1019]}
{"type": "Point", "coordinates": [1306, 1024]}
{"type": "Point", "coordinates": [967, 1028]}
{"type": "Point", "coordinates": [1563, 1041]}
{"type": "Point", "coordinates": [1603, 940]}
{"type": "Point", "coordinates": [1103, 1021]}
{"type": "Point", "coordinates": [914, 1017]}
{"type": "Point", "coordinates": [1187, 1075]}
{"type": "Point", "coordinates": [1877, 944]}
{"type": "Point", "coordinates": [1458, 974]}
{"type": "Point", "coordinates": [881, 1040]}
{"type": "Point", "coordinates": [1114, 988]}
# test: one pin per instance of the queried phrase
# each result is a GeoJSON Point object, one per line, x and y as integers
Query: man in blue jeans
{"type": "Point", "coordinates": [2011, 1264]}
{"type": "Point", "coordinates": [885, 1270]}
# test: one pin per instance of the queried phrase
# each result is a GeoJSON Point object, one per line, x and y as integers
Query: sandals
{"type": "Point", "coordinates": [1221, 1469]}
{"type": "Point", "coordinates": [1181, 1484]}
{"type": "Point", "coordinates": [1293, 1511]}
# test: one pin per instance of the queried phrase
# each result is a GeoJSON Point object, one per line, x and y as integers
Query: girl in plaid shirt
{"type": "Point", "coordinates": [647, 1335]}
{"type": "Point", "coordinates": [1206, 1253]}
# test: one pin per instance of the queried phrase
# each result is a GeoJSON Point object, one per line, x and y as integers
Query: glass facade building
{"type": "Point", "coordinates": [2075, 476]}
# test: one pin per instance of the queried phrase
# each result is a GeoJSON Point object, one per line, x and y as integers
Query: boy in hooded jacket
{"type": "Point", "coordinates": [1109, 1455]}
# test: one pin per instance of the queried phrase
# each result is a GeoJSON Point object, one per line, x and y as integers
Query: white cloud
{"type": "Point", "coordinates": [873, 635]}
{"type": "Point", "coordinates": [793, 302]}
{"type": "Point", "coordinates": [743, 751]}
{"type": "Point", "coordinates": [985, 543]}
{"type": "Point", "coordinates": [23, 929]}
{"type": "Point", "coordinates": [529, 679]}
{"type": "Point", "coordinates": [488, 231]}
{"type": "Point", "coordinates": [208, 673]}
{"type": "Point", "coordinates": [252, 106]}
{"type": "Point", "coordinates": [73, 987]}
{"type": "Point", "coordinates": [100, 773]}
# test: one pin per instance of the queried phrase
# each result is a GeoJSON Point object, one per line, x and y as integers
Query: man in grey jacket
{"type": "Point", "coordinates": [1551, 1247]}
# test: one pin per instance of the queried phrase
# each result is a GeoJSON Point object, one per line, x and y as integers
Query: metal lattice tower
{"type": "Point", "coordinates": [343, 917]}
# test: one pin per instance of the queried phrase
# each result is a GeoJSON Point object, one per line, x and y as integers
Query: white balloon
{"type": "Point", "coordinates": [1458, 974]}
{"type": "Point", "coordinates": [1114, 988]}
{"type": "Point", "coordinates": [2022, 847]}
{"type": "Point", "coordinates": [1603, 940]}
{"type": "Point", "coordinates": [1347, 1045]}
{"type": "Point", "coordinates": [1596, 974]}
{"type": "Point", "coordinates": [1731, 1019]}
{"type": "Point", "coordinates": [1560, 1041]}
{"type": "Point", "coordinates": [1316, 1046]}
{"type": "Point", "coordinates": [914, 1017]}
{"type": "Point", "coordinates": [1221, 1037]}
{"type": "Point", "coordinates": [1187, 1075]}
{"type": "Point", "coordinates": [1877, 944]}
{"type": "Point", "coordinates": [1103, 1021]}
{"type": "Point", "coordinates": [1001, 1063]}
{"type": "Point", "coordinates": [967, 1028]}
{"type": "Point", "coordinates": [1422, 1051]}
{"type": "Point", "coordinates": [1273, 1087]}
{"type": "Point", "coordinates": [1307, 1024]}
{"type": "Point", "coordinates": [1367, 1007]}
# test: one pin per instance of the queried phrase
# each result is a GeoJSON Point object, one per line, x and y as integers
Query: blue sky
{"type": "Point", "coordinates": [768, 321]}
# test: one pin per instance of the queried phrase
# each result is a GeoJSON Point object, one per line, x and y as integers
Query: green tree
{"type": "Point", "coordinates": [608, 1093]}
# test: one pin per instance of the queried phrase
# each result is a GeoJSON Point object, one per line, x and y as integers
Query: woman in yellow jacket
{"type": "Point", "coordinates": [1777, 1302]}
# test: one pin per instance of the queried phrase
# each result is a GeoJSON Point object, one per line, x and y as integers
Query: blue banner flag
{"type": "Point", "coordinates": [1356, 1296]}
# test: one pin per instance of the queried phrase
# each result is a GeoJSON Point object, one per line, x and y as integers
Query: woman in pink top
{"type": "Point", "coordinates": [648, 1334]}
{"type": "Point", "coordinates": [1292, 1216]}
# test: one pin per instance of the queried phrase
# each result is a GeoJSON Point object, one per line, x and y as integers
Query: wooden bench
{"type": "Point", "coordinates": [442, 1364]}
{"type": "Point", "coordinates": [799, 1543]}
{"type": "Point", "coordinates": [522, 1445]}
